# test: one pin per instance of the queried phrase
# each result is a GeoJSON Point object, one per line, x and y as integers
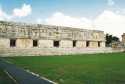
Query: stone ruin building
{"type": "Point", "coordinates": [21, 36]}
{"type": "Point", "coordinates": [119, 44]}
{"type": "Point", "coordinates": [123, 39]}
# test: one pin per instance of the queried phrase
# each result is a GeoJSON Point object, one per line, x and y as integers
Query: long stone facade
{"type": "Point", "coordinates": [28, 36]}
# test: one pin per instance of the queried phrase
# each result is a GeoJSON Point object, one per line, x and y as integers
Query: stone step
{"type": "Point", "coordinates": [53, 51]}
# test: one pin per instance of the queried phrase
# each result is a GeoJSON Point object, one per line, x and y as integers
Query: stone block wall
{"type": "Point", "coordinates": [45, 43]}
{"type": "Point", "coordinates": [46, 35]}
{"type": "Point", "coordinates": [48, 32]}
{"type": "Point", "coordinates": [24, 43]}
{"type": "Point", "coordinates": [102, 44]}
{"type": "Point", "coordinates": [123, 39]}
{"type": "Point", "coordinates": [81, 44]}
{"type": "Point", "coordinates": [93, 44]}
{"type": "Point", "coordinates": [66, 44]}
{"type": "Point", "coordinates": [4, 43]}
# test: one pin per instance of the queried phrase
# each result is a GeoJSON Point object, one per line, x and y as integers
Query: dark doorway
{"type": "Point", "coordinates": [56, 43]}
{"type": "Point", "coordinates": [99, 44]}
{"type": "Point", "coordinates": [12, 42]}
{"type": "Point", "coordinates": [87, 43]}
{"type": "Point", "coordinates": [74, 43]}
{"type": "Point", "coordinates": [35, 43]}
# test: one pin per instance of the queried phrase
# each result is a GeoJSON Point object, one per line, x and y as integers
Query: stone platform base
{"type": "Point", "coordinates": [53, 51]}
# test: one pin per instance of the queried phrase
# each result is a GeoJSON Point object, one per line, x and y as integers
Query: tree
{"type": "Point", "coordinates": [110, 39]}
{"type": "Point", "coordinates": [116, 39]}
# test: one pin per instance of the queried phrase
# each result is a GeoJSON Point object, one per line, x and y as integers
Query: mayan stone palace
{"type": "Point", "coordinates": [17, 36]}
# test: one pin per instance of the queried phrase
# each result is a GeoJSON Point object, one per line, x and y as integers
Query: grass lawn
{"type": "Point", "coordinates": [4, 79]}
{"type": "Point", "coordinates": [77, 69]}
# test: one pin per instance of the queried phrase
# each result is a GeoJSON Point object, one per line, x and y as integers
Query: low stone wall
{"type": "Point", "coordinates": [53, 51]}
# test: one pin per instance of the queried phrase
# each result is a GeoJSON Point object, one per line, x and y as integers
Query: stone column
{"type": "Point", "coordinates": [66, 44]}
{"type": "Point", "coordinates": [81, 44]}
{"type": "Point", "coordinates": [24, 43]}
{"type": "Point", "coordinates": [45, 43]}
{"type": "Point", "coordinates": [102, 44]}
{"type": "Point", "coordinates": [4, 43]}
{"type": "Point", "coordinates": [93, 44]}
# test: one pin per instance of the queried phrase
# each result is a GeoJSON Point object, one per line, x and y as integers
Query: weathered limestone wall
{"type": "Point", "coordinates": [93, 44]}
{"type": "Point", "coordinates": [66, 44]}
{"type": "Point", "coordinates": [102, 44]}
{"type": "Point", "coordinates": [4, 43]}
{"type": "Point", "coordinates": [47, 32]}
{"type": "Point", "coordinates": [24, 43]}
{"type": "Point", "coordinates": [53, 51]}
{"type": "Point", "coordinates": [81, 44]}
{"type": "Point", "coordinates": [123, 39]}
{"type": "Point", "coordinates": [24, 34]}
{"type": "Point", "coordinates": [45, 43]}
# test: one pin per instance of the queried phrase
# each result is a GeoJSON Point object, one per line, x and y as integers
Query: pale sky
{"type": "Point", "coordinates": [105, 15]}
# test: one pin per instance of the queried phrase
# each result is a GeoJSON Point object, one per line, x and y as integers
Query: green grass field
{"type": "Point", "coordinates": [77, 69]}
{"type": "Point", "coordinates": [4, 79]}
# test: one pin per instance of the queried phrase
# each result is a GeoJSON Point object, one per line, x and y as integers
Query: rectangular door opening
{"type": "Point", "coordinates": [74, 43]}
{"type": "Point", "coordinates": [99, 44]}
{"type": "Point", "coordinates": [12, 42]}
{"type": "Point", "coordinates": [35, 43]}
{"type": "Point", "coordinates": [56, 43]}
{"type": "Point", "coordinates": [87, 43]}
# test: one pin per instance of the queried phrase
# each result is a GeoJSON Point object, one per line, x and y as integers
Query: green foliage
{"type": "Point", "coordinates": [77, 69]}
{"type": "Point", "coordinates": [110, 39]}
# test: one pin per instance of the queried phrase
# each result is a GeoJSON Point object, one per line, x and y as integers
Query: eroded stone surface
{"type": "Point", "coordinates": [45, 35]}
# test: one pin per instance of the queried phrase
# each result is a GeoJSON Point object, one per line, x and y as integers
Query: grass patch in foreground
{"type": "Point", "coordinates": [77, 69]}
{"type": "Point", "coordinates": [4, 79]}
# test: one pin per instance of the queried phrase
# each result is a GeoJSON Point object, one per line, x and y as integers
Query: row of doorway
{"type": "Point", "coordinates": [55, 43]}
